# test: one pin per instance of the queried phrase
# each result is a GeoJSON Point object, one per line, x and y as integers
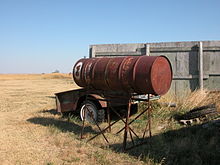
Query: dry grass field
{"type": "Point", "coordinates": [24, 98]}
{"type": "Point", "coordinates": [32, 133]}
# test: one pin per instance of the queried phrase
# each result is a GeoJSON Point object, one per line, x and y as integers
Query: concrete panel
{"type": "Point", "coordinates": [118, 47]}
{"type": "Point", "coordinates": [213, 83]}
{"type": "Point", "coordinates": [182, 64]}
{"type": "Point", "coordinates": [173, 87]}
{"type": "Point", "coordinates": [193, 63]}
{"type": "Point", "coordinates": [211, 43]}
{"type": "Point", "coordinates": [130, 47]}
{"type": "Point", "coordinates": [175, 44]}
{"type": "Point", "coordinates": [206, 62]}
{"type": "Point", "coordinates": [182, 87]}
{"type": "Point", "coordinates": [215, 63]}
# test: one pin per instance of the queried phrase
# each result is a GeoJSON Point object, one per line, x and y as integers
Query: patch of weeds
{"type": "Point", "coordinates": [157, 110]}
{"type": "Point", "coordinates": [53, 129]}
{"type": "Point", "coordinates": [148, 161]}
{"type": "Point", "coordinates": [72, 117]}
{"type": "Point", "coordinates": [75, 119]}
{"type": "Point", "coordinates": [50, 163]}
{"type": "Point", "coordinates": [73, 135]}
{"type": "Point", "coordinates": [80, 144]}
{"type": "Point", "coordinates": [100, 158]}
{"type": "Point", "coordinates": [73, 159]}
{"type": "Point", "coordinates": [18, 162]}
{"type": "Point", "coordinates": [161, 116]}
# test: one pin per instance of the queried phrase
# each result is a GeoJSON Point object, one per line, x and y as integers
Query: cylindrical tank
{"type": "Point", "coordinates": [135, 74]}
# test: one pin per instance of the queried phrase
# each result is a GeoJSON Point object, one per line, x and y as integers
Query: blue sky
{"type": "Point", "coordinates": [40, 36]}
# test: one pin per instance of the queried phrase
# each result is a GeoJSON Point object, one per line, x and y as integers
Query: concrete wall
{"type": "Point", "coordinates": [184, 57]}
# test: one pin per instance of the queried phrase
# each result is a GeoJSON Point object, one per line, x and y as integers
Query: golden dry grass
{"type": "Point", "coordinates": [35, 76]}
{"type": "Point", "coordinates": [193, 99]}
{"type": "Point", "coordinates": [32, 134]}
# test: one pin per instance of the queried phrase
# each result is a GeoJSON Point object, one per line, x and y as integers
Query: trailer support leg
{"type": "Point", "coordinates": [108, 117]}
{"type": "Point", "coordinates": [127, 125]}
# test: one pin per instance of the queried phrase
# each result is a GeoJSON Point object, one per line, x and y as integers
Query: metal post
{"type": "Point", "coordinates": [103, 131]}
{"type": "Point", "coordinates": [93, 51]}
{"type": "Point", "coordinates": [147, 50]}
{"type": "Point", "coordinates": [148, 124]}
{"type": "Point", "coordinates": [83, 126]}
{"type": "Point", "coordinates": [108, 116]}
{"type": "Point", "coordinates": [127, 125]}
{"type": "Point", "coordinates": [200, 65]}
{"type": "Point", "coordinates": [149, 121]}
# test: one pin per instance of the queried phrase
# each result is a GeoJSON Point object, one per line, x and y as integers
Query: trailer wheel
{"type": "Point", "coordinates": [87, 109]}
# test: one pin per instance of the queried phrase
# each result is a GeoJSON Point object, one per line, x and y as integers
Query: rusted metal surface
{"type": "Point", "coordinates": [69, 100]}
{"type": "Point", "coordinates": [132, 74]}
{"type": "Point", "coordinates": [127, 125]}
{"type": "Point", "coordinates": [99, 99]}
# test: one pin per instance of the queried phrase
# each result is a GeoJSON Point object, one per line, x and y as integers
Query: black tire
{"type": "Point", "coordinates": [92, 109]}
{"type": "Point", "coordinates": [101, 115]}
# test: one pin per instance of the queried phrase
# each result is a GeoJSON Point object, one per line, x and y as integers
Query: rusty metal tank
{"type": "Point", "coordinates": [133, 74]}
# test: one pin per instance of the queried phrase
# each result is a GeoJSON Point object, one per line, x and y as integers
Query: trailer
{"type": "Point", "coordinates": [77, 100]}
{"type": "Point", "coordinates": [115, 86]}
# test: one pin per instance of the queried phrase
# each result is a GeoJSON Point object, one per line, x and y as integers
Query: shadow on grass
{"type": "Point", "coordinates": [51, 111]}
{"type": "Point", "coordinates": [189, 145]}
{"type": "Point", "coordinates": [52, 97]}
{"type": "Point", "coordinates": [62, 125]}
